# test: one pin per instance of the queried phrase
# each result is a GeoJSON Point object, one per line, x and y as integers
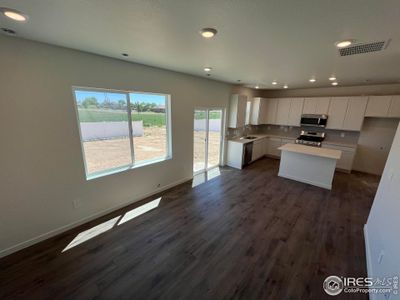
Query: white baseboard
{"type": "Point", "coordinates": [64, 228]}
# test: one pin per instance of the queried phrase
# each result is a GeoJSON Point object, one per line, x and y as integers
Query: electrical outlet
{"type": "Point", "coordinates": [342, 134]}
{"type": "Point", "coordinates": [391, 174]}
{"type": "Point", "coordinates": [77, 203]}
{"type": "Point", "coordinates": [380, 257]}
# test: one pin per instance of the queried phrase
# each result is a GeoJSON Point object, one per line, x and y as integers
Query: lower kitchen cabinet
{"type": "Point", "coordinates": [345, 162]}
{"type": "Point", "coordinates": [273, 145]}
{"type": "Point", "coordinates": [258, 149]}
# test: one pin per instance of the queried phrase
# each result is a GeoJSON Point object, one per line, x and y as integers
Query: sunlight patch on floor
{"type": "Point", "coordinates": [105, 226]}
{"type": "Point", "coordinates": [205, 176]}
{"type": "Point", "coordinates": [139, 211]}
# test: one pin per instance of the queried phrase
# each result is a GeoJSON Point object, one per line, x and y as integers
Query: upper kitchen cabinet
{"type": "Point", "coordinates": [394, 109]}
{"type": "Point", "coordinates": [237, 111]}
{"type": "Point", "coordinates": [355, 113]}
{"type": "Point", "coordinates": [378, 106]}
{"type": "Point", "coordinates": [296, 108]}
{"type": "Point", "coordinates": [271, 109]}
{"type": "Point", "coordinates": [337, 112]}
{"type": "Point", "coordinates": [318, 105]}
{"type": "Point", "coordinates": [259, 111]}
{"type": "Point", "coordinates": [282, 113]}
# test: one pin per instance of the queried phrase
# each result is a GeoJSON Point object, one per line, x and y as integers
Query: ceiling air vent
{"type": "Point", "coordinates": [364, 48]}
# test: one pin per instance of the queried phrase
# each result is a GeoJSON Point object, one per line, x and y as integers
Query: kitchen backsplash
{"type": "Point", "coordinates": [349, 137]}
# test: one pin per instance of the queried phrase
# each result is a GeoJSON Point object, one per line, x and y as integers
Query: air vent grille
{"type": "Point", "coordinates": [363, 48]}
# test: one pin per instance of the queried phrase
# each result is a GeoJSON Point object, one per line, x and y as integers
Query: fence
{"type": "Point", "coordinates": [106, 130]}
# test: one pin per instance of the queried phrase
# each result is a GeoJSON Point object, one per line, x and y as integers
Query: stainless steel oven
{"type": "Point", "coordinates": [311, 120]}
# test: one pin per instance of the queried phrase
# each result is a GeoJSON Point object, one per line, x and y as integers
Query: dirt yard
{"type": "Point", "coordinates": [105, 154]}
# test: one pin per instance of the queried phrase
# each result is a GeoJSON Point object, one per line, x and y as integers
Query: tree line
{"type": "Point", "coordinates": [91, 102]}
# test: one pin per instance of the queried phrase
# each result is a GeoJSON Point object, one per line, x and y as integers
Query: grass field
{"type": "Point", "coordinates": [149, 118]}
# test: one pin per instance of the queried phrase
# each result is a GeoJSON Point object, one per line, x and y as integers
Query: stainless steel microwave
{"type": "Point", "coordinates": [314, 120]}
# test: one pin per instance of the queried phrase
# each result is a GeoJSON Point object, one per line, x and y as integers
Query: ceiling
{"type": "Point", "coordinates": [258, 41]}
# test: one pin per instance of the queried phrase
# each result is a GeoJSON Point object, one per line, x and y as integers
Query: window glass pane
{"type": "Point", "coordinates": [199, 138]}
{"type": "Point", "coordinates": [103, 121]}
{"type": "Point", "coordinates": [214, 137]}
{"type": "Point", "coordinates": [149, 126]}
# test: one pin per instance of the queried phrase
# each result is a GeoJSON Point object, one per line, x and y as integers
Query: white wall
{"type": "Point", "coordinates": [42, 170]}
{"type": "Point", "coordinates": [374, 144]}
{"type": "Point", "coordinates": [382, 228]}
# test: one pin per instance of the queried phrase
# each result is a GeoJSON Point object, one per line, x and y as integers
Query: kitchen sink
{"type": "Point", "coordinates": [248, 137]}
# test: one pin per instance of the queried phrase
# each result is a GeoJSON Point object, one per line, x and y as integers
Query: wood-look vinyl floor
{"type": "Point", "coordinates": [242, 235]}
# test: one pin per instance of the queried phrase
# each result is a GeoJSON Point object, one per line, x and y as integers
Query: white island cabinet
{"type": "Point", "coordinates": [312, 165]}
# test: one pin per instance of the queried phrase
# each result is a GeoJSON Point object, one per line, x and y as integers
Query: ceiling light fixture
{"type": "Point", "coordinates": [332, 78]}
{"type": "Point", "coordinates": [285, 86]}
{"type": "Point", "coordinates": [14, 14]}
{"type": "Point", "coordinates": [207, 69]}
{"type": "Point", "coordinates": [257, 87]}
{"type": "Point", "coordinates": [274, 83]}
{"type": "Point", "coordinates": [344, 43]}
{"type": "Point", "coordinates": [334, 83]}
{"type": "Point", "coordinates": [125, 54]}
{"type": "Point", "coordinates": [208, 32]}
{"type": "Point", "coordinates": [312, 80]}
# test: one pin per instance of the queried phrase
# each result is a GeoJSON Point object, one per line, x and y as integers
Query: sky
{"type": "Point", "coordinates": [114, 97]}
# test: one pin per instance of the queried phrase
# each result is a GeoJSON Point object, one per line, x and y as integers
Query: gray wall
{"type": "Point", "coordinates": [42, 168]}
{"type": "Point", "coordinates": [382, 228]}
{"type": "Point", "coordinates": [374, 144]}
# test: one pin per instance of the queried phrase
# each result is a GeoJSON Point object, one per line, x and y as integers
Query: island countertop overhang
{"type": "Point", "coordinates": [314, 151]}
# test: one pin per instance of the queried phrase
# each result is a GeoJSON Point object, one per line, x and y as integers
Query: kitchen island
{"type": "Point", "coordinates": [312, 165]}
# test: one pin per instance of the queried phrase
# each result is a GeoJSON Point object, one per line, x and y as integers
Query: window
{"type": "Point", "coordinates": [121, 130]}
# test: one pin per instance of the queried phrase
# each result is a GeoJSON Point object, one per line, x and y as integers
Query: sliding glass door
{"type": "Point", "coordinates": [207, 139]}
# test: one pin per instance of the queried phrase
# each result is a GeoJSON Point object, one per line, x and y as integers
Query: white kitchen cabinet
{"type": "Point", "coordinates": [337, 112]}
{"type": "Point", "coordinates": [237, 111]}
{"type": "Point", "coordinates": [378, 106]}
{"type": "Point", "coordinates": [271, 108]}
{"type": "Point", "coordinates": [273, 145]}
{"type": "Point", "coordinates": [346, 160]}
{"type": "Point", "coordinates": [282, 113]}
{"type": "Point", "coordinates": [258, 149]}
{"type": "Point", "coordinates": [259, 111]}
{"type": "Point", "coordinates": [355, 113]}
{"type": "Point", "coordinates": [317, 105]}
{"type": "Point", "coordinates": [394, 109]}
{"type": "Point", "coordinates": [296, 109]}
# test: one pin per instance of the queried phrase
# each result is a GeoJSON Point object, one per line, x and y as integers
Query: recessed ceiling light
{"type": "Point", "coordinates": [208, 32]}
{"type": "Point", "coordinates": [334, 83]}
{"type": "Point", "coordinates": [14, 14]}
{"type": "Point", "coordinates": [274, 83]}
{"type": "Point", "coordinates": [344, 43]}
{"type": "Point", "coordinates": [313, 80]}
{"type": "Point", "coordinates": [207, 69]}
{"type": "Point", "coordinates": [332, 78]}
{"type": "Point", "coordinates": [257, 87]}
{"type": "Point", "coordinates": [238, 80]}
{"type": "Point", "coordinates": [285, 86]}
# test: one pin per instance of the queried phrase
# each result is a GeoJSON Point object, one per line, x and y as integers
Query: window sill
{"type": "Point", "coordinates": [127, 168]}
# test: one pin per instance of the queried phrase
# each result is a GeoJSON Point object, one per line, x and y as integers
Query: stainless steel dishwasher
{"type": "Point", "coordinates": [248, 152]}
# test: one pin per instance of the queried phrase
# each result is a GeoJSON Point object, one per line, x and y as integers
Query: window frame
{"type": "Point", "coordinates": [133, 164]}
